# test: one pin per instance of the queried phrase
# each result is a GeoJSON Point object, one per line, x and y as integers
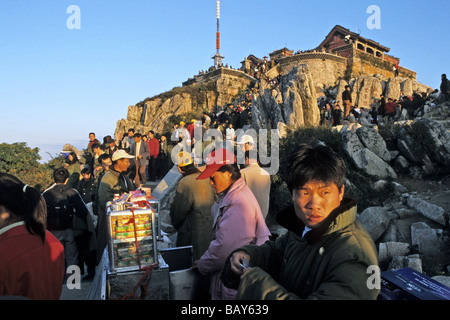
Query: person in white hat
{"type": "Point", "coordinates": [247, 142]}
{"type": "Point", "coordinates": [115, 181]}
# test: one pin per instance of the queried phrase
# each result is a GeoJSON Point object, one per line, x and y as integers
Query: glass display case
{"type": "Point", "coordinates": [132, 237]}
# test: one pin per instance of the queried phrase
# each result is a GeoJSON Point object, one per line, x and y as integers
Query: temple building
{"type": "Point", "coordinates": [342, 42]}
{"type": "Point", "coordinates": [360, 53]}
{"type": "Point", "coordinates": [343, 54]}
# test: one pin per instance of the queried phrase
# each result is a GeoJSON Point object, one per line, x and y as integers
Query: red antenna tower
{"type": "Point", "coordinates": [218, 58]}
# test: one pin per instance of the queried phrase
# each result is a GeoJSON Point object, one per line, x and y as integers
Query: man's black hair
{"type": "Point", "coordinates": [96, 145]}
{"type": "Point", "coordinates": [314, 163]}
{"type": "Point", "coordinates": [103, 157]}
{"type": "Point", "coordinates": [233, 169]}
{"type": "Point", "coordinates": [86, 170]}
{"type": "Point", "coordinates": [60, 175]}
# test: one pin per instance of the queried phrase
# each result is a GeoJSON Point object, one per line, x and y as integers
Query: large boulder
{"type": "Point", "coordinates": [300, 98]}
{"type": "Point", "coordinates": [426, 240]}
{"type": "Point", "coordinates": [375, 220]}
{"type": "Point", "coordinates": [393, 88]}
{"type": "Point", "coordinates": [295, 104]}
{"type": "Point", "coordinates": [429, 210]}
{"type": "Point", "coordinates": [407, 87]}
{"type": "Point", "coordinates": [369, 87]}
{"type": "Point", "coordinates": [266, 112]}
{"type": "Point", "coordinates": [388, 250]}
{"type": "Point", "coordinates": [439, 137]}
{"type": "Point", "coordinates": [364, 159]}
{"type": "Point", "coordinates": [405, 149]}
{"type": "Point", "coordinates": [372, 140]}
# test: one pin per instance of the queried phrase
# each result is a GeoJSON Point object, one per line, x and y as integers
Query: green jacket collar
{"type": "Point", "coordinates": [339, 218]}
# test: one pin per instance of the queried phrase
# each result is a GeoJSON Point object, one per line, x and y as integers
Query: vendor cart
{"type": "Point", "coordinates": [132, 266]}
{"type": "Point", "coordinates": [131, 239]}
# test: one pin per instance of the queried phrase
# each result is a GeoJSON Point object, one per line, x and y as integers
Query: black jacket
{"type": "Point", "coordinates": [82, 221]}
{"type": "Point", "coordinates": [87, 189]}
{"type": "Point", "coordinates": [346, 95]}
{"type": "Point", "coordinates": [59, 192]}
{"type": "Point", "coordinates": [444, 86]}
{"type": "Point", "coordinates": [329, 262]}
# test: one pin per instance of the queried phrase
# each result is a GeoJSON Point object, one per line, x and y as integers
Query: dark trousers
{"type": "Point", "coordinates": [152, 168]}
{"type": "Point", "coordinates": [140, 177]}
{"type": "Point", "coordinates": [85, 256]}
{"type": "Point", "coordinates": [67, 239]}
{"type": "Point", "coordinates": [163, 165]}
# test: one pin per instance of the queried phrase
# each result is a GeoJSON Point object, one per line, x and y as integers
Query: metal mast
{"type": "Point", "coordinates": [218, 58]}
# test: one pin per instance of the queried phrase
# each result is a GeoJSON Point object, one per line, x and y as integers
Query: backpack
{"type": "Point", "coordinates": [60, 215]}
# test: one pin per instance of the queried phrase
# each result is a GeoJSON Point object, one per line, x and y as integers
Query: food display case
{"type": "Point", "coordinates": [132, 234]}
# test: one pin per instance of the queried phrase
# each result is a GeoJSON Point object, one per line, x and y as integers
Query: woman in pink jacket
{"type": "Point", "coordinates": [237, 219]}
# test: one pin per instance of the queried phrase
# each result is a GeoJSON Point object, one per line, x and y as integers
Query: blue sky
{"type": "Point", "coordinates": [58, 84]}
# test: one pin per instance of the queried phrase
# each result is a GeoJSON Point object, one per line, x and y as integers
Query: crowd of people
{"type": "Point", "coordinates": [381, 110]}
{"type": "Point", "coordinates": [219, 208]}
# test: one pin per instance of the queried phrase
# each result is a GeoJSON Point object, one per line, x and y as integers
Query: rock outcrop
{"type": "Point", "coordinates": [154, 113]}
{"type": "Point", "coordinates": [294, 104]}
{"type": "Point", "coordinates": [366, 157]}
{"type": "Point", "coordinates": [420, 147]}
{"type": "Point", "coordinates": [407, 236]}
{"type": "Point", "coordinates": [367, 87]}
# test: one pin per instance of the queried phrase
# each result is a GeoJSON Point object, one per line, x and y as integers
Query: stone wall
{"type": "Point", "coordinates": [218, 74]}
{"type": "Point", "coordinates": [326, 69]}
{"type": "Point", "coordinates": [362, 63]}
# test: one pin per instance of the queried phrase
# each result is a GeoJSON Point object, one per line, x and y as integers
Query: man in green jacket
{"type": "Point", "coordinates": [115, 181]}
{"type": "Point", "coordinates": [191, 208]}
{"type": "Point", "coordinates": [325, 254]}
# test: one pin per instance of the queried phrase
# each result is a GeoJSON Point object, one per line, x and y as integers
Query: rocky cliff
{"type": "Point", "coordinates": [293, 102]}
{"type": "Point", "coordinates": [187, 102]}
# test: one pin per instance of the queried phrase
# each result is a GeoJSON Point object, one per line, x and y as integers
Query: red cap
{"type": "Point", "coordinates": [215, 160]}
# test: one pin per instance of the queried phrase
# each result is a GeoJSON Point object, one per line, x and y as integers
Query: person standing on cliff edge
{"type": "Point", "coordinates": [347, 98]}
{"type": "Point", "coordinates": [445, 87]}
